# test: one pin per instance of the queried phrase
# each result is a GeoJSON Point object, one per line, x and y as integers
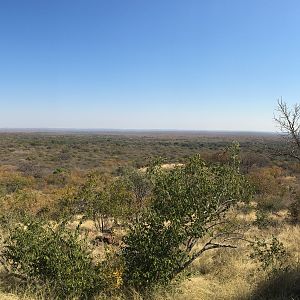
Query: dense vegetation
{"type": "Point", "coordinates": [104, 216]}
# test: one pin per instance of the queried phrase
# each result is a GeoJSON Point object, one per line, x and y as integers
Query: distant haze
{"type": "Point", "coordinates": [148, 65]}
{"type": "Point", "coordinates": [141, 132]}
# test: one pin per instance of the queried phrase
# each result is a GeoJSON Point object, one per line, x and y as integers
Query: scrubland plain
{"type": "Point", "coordinates": [86, 194]}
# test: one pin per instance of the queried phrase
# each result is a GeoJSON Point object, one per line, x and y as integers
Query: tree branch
{"type": "Point", "coordinates": [288, 121]}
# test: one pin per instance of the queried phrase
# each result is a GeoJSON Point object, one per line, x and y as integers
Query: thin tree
{"type": "Point", "coordinates": [288, 121]}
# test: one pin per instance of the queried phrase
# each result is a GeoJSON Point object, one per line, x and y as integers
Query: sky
{"type": "Point", "coordinates": [148, 64]}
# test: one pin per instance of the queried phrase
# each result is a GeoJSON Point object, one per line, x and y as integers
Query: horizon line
{"type": "Point", "coordinates": [53, 129]}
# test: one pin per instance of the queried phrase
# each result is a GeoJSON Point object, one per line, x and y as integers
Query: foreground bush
{"type": "Point", "coordinates": [41, 254]}
{"type": "Point", "coordinates": [188, 203]}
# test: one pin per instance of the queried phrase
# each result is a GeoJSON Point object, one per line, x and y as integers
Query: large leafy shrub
{"type": "Point", "coordinates": [188, 203]}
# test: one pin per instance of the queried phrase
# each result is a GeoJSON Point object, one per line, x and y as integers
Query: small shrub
{"type": "Point", "coordinates": [262, 220]}
{"type": "Point", "coordinates": [294, 211]}
{"type": "Point", "coordinates": [271, 256]}
{"type": "Point", "coordinates": [37, 252]}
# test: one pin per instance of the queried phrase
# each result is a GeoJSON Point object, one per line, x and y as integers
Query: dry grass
{"type": "Point", "coordinates": [226, 273]}
{"type": "Point", "coordinates": [231, 274]}
{"type": "Point", "coordinates": [8, 296]}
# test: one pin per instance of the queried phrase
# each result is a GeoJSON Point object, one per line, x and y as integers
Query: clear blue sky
{"type": "Point", "coordinates": [167, 64]}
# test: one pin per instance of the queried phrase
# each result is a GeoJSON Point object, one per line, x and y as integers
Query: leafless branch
{"type": "Point", "coordinates": [223, 237]}
{"type": "Point", "coordinates": [288, 120]}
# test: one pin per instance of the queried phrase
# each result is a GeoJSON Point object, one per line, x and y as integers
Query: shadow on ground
{"type": "Point", "coordinates": [9, 283]}
{"type": "Point", "coordinates": [281, 286]}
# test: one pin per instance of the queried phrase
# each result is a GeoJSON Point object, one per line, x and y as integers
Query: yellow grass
{"type": "Point", "coordinates": [223, 274]}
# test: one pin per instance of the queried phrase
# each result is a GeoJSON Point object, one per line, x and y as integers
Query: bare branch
{"type": "Point", "coordinates": [208, 246]}
{"type": "Point", "coordinates": [288, 122]}
{"type": "Point", "coordinates": [212, 244]}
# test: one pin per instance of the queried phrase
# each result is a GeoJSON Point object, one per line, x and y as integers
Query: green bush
{"type": "Point", "coordinates": [272, 256]}
{"type": "Point", "coordinates": [294, 211]}
{"type": "Point", "coordinates": [187, 204]}
{"type": "Point", "coordinates": [40, 253]}
{"type": "Point", "coordinates": [263, 220]}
